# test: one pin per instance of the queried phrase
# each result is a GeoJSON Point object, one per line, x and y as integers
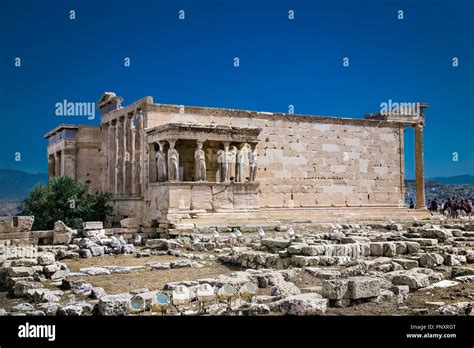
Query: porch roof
{"type": "Point", "coordinates": [203, 132]}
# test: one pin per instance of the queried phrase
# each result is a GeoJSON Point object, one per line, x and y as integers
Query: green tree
{"type": "Point", "coordinates": [66, 200]}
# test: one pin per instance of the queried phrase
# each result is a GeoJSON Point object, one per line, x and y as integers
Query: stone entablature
{"type": "Point", "coordinates": [272, 116]}
{"type": "Point", "coordinates": [140, 104]}
{"type": "Point", "coordinates": [203, 132]}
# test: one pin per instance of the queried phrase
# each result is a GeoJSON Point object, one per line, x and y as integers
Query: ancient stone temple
{"type": "Point", "coordinates": [172, 164]}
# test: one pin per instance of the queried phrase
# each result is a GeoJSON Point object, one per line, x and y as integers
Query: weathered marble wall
{"type": "Point", "coordinates": [309, 162]}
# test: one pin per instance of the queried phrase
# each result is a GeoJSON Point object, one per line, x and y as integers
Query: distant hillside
{"type": "Point", "coordinates": [15, 184]}
{"type": "Point", "coordinates": [459, 179]}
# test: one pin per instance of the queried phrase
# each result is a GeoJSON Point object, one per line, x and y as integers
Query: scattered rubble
{"type": "Point", "coordinates": [307, 272]}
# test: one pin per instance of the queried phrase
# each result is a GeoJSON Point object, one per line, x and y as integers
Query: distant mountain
{"type": "Point", "coordinates": [459, 179]}
{"type": "Point", "coordinates": [15, 184]}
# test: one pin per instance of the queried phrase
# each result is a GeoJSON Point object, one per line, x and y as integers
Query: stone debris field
{"type": "Point", "coordinates": [415, 268]}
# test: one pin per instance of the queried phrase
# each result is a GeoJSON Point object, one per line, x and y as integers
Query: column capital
{"type": "Point", "coordinates": [172, 142]}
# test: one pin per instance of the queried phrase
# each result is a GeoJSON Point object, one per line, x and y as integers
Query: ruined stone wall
{"type": "Point", "coordinates": [126, 207]}
{"type": "Point", "coordinates": [312, 161]}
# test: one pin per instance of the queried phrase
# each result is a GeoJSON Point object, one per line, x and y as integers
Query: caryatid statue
{"type": "Point", "coordinates": [173, 162]}
{"type": "Point", "coordinates": [200, 162]}
{"type": "Point", "coordinates": [221, 161]}
{"type": "Point", "coordinates": [239, 176]}
{"type": "Point", "coordinates": [231, 161]}
{"type": "Point", "coordinates": [228, 162]}
{"type": "Point", "coordinates": [253, 162]}
{"type": "Point", "coordinates": [161, 171]}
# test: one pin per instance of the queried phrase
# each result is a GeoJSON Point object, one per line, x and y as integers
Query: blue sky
{"type": "Point", "coordinates": [282, 62]}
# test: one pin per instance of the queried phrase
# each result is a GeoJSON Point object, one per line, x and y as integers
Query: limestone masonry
{"type": "Point", "coordinates": [172, 164]}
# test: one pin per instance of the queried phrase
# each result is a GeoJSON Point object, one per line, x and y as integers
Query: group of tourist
{"type": "Point", "coordinates": [452, 208]}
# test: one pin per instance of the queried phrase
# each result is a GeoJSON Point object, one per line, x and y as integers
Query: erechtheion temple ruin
{"type": "Point", "coordinates": [172, 164]}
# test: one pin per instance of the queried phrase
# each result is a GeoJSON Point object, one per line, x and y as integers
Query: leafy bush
{"type": "Point", "coordinates": [66, 200]}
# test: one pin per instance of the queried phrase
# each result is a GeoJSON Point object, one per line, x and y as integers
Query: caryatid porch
{"type": "Point", "coordinates": [195, 168]}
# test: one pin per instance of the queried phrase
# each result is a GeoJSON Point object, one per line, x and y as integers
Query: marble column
{"type": "Point", "coordinates": [138, 152]}
{"type": "Point", "coordinates": [419, 168]}
{"type": "Point", "coordinates": [105, 156]}
{"type": "Point", "coordinates": [127, 188]}
{"type": "Point", "coordinates": [120, 155]}
{"type": "Point", "coordinates": [112, 155]}
{"type": "Point", "coordinates": [133, 164]}
{"type": "Point", "coordinates": [401, 152]}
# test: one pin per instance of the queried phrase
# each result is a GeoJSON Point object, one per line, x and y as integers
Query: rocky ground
{"type": "Point", "coordinates": [418, 268]}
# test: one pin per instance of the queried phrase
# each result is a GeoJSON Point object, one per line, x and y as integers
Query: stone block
{"type": "Point", "coordinates": [275, 243]}
{"type": "Point", "coordinates": [406, 263]}
{"type": "Point", "coordinates": [92, 225]}
{"type": "Point", "coordinates": [334, 289]}
{"type": "Point", "coordinates": [113, 304]}
{"type": "Point", "coordinates": [453, 260]}
{"type": "Point", "coordinates": [296, 248]}
{"type": "Point", "coordinates": [16, 224]}
{"type": "Point", "coordinates": [201, 197]}
{"type": "Point", "coordinates": [162, 244]}
{"type": "Point", "coordinates": [303, 304]}
{"type": "Point", "coordinates": [97, 250]}
{"type": "Point", "coordinates": [24, 263]}
{"type": "Point", "coordinates": [363, 287]}
{"type": "Point", "coordinates": [437, 233]}
{"type": "Point", "coordinates": [20, 271]}
{"type": "Point", "coordinates": [313, 250]}
{"type": "Point", "coordinates": [412, 247]}
{"type": "Point", "coordinates": [129, 223]}
{"type": "Point", "coordinates": [62, 237]}
{"type": "Point", "coordinates": [93, 233]}
{"type": "Point", "coordinates": [425, 241]}
{"type": "Point", "coordinates": [376, 249]}
{"type": "Point", "coordinates": [46, 258]}
{"type": "Point", "coordinates": [21, 287]}
{"type": "Point", "coordinates": [401, 248]}
{"type": "Point", "coordinates": [430, 260]}
{"type": "Point", "coordinates": [414, 280]}
{"type": "Point", "coordinates": [389, 249]}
